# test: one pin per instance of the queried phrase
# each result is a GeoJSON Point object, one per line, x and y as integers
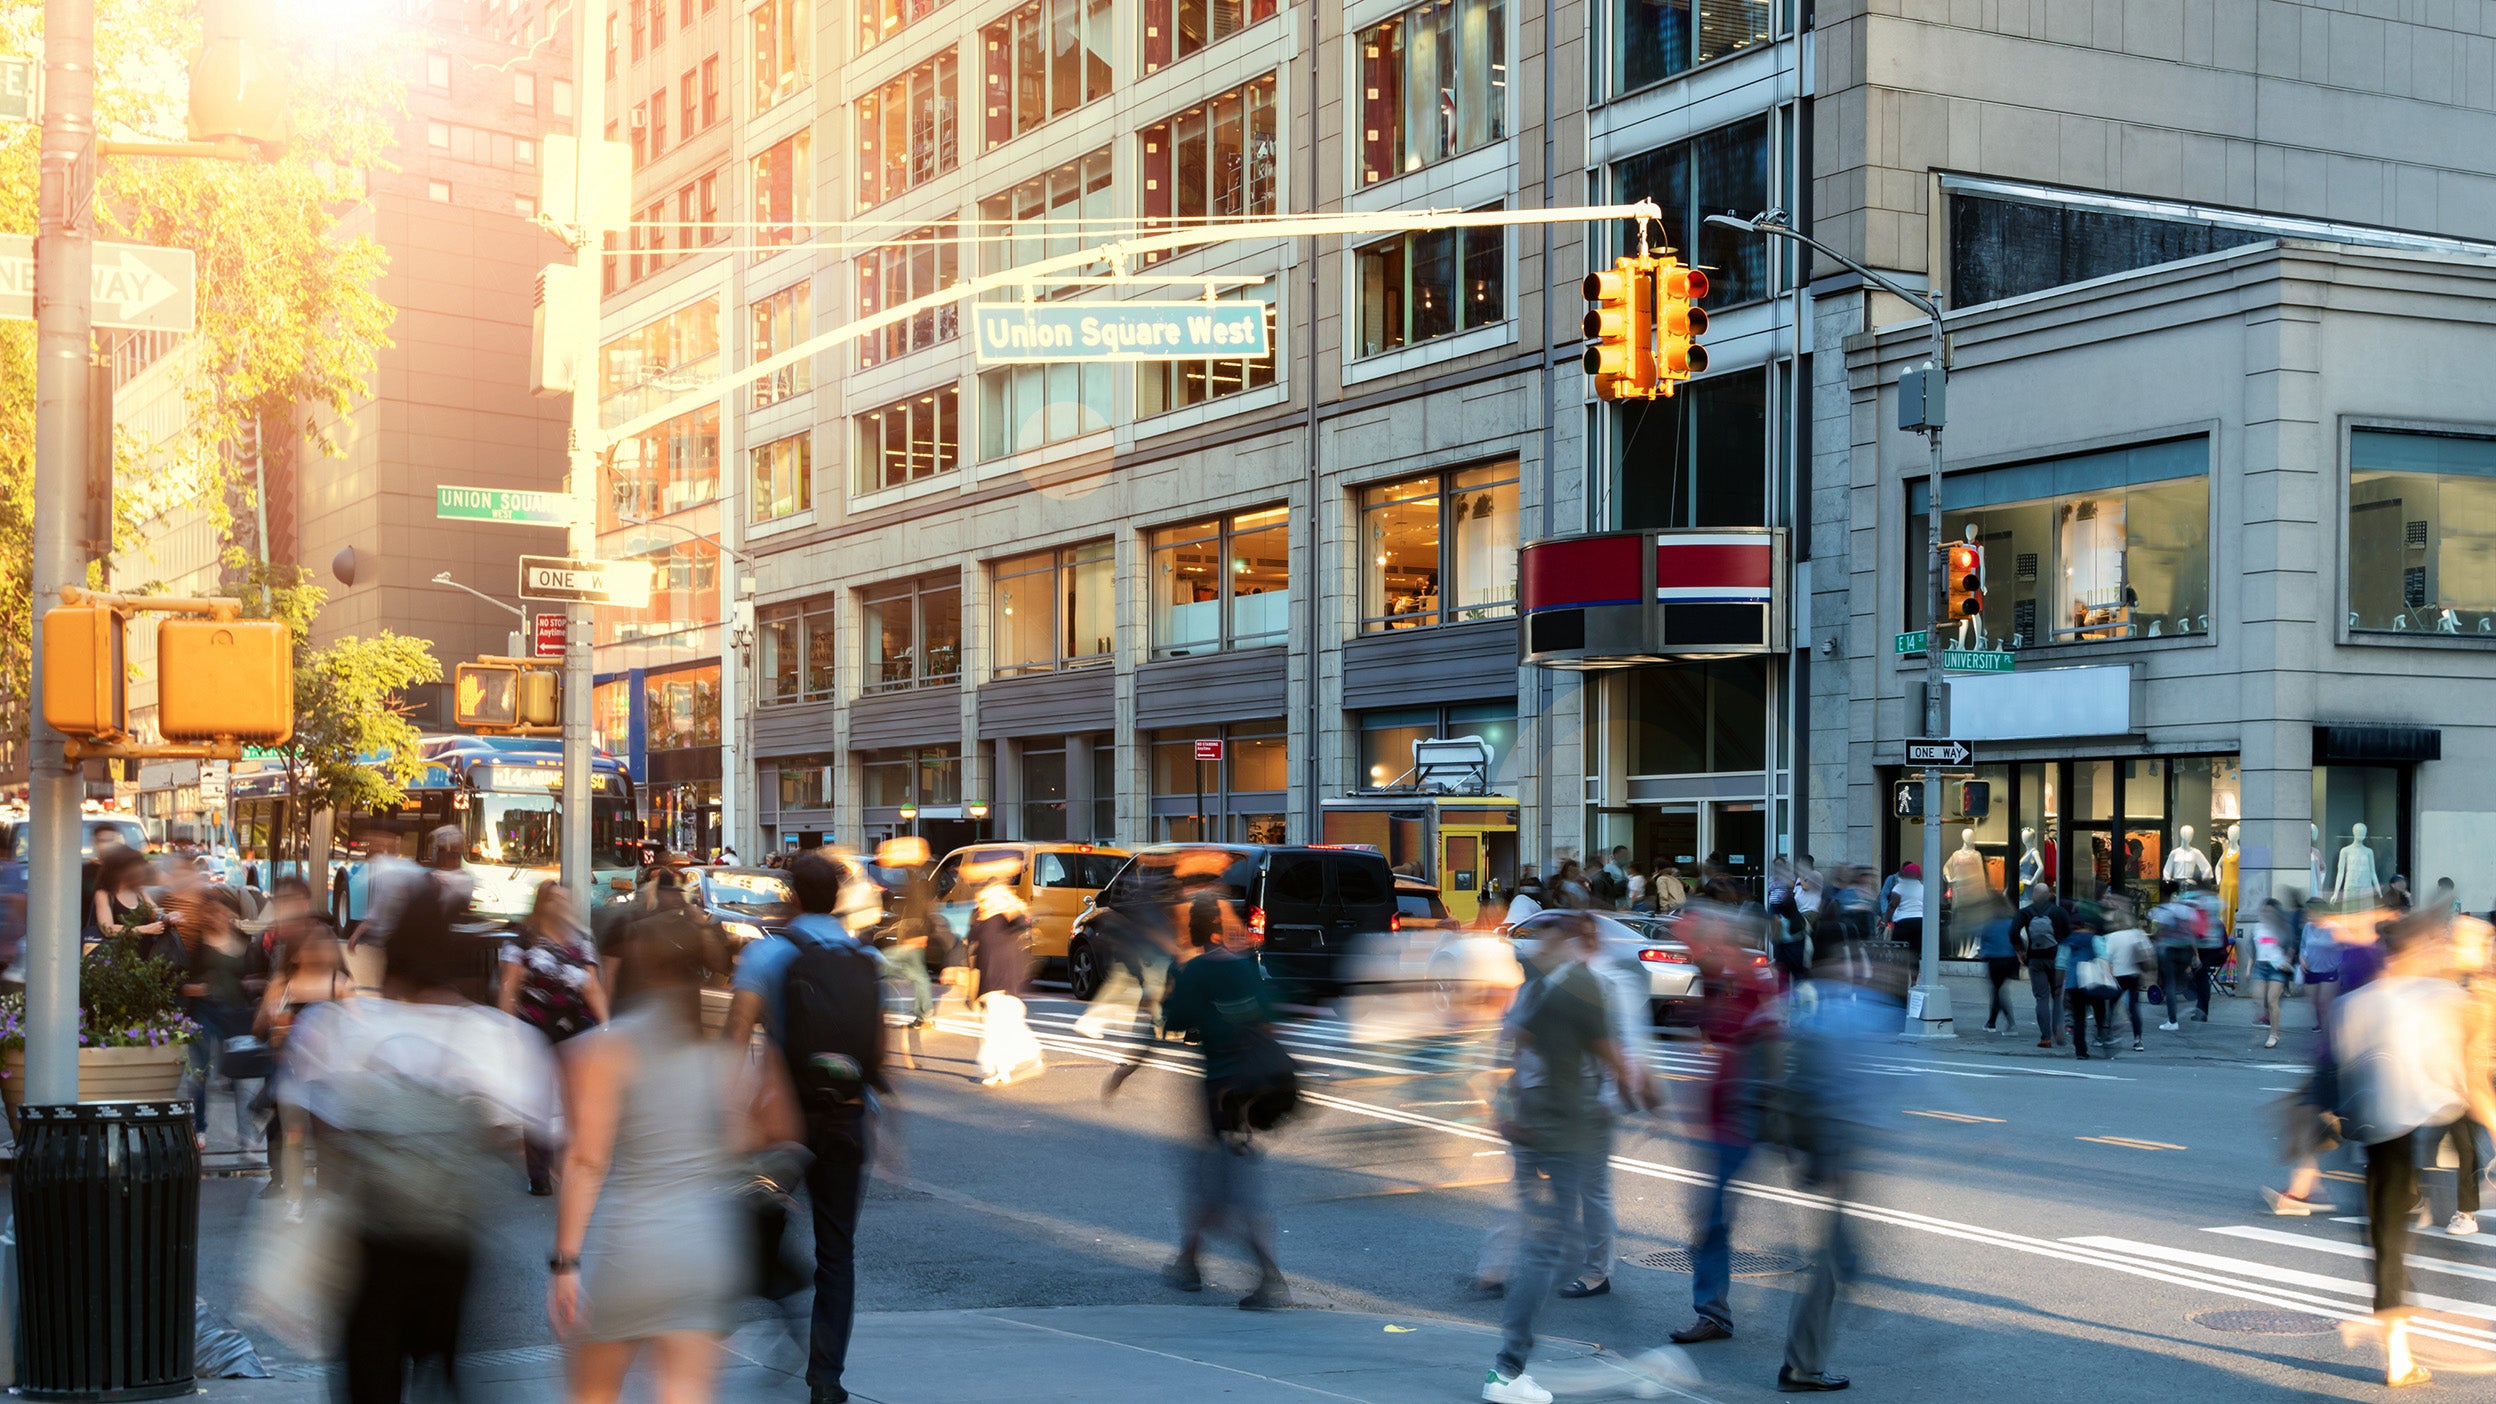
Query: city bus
{"type": "Point", "coordinates": [505, 792]}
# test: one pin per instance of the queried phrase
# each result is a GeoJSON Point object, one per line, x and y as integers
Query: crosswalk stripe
{"type": "Point", "coordinates": [2291, 1276]}
{"type": "Point", "coordinates": [2338, 1249]}
{"type": "Point", "coordinates": [1954, 1116]}
{"type": "Point", "coordinates": [2128, 1143]}
{"type": "Point", "coordinates": [2474, 1240]}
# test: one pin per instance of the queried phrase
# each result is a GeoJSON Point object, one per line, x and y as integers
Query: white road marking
{"type": "Point", "coordinates": [2480, 1239]}
{"type": "Point", "coordinates": [2343, 1286]}
{"type": "Point", "coordinates": [2337, 1248]}
{"type": "Point", "coordinates": [2260, 1289]}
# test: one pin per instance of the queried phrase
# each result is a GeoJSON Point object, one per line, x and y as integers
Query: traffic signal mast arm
{"type": "Point", "coordinates": [1119, 254]}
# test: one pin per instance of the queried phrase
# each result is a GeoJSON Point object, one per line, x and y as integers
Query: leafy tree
{"type": "Point", "coordinates": [290, 322]}
{"type": "Point", "coordinates": [353, 749]}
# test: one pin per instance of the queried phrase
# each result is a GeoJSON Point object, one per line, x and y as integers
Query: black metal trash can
{"type": "Point", "coordinates": [107, 1197]}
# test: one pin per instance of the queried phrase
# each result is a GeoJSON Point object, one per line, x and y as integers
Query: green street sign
{"type": "Point", "coordinates": [17, 89]}
{"type": "Point", "coordinates": [1910, 642]}
{"type": "Point", "coordinates": [1960, 660]}
{"type": "Point", "coordinates": [467, 504]}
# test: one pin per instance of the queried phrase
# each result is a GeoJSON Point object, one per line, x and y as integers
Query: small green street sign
{"type": "Point", "coordinates": [1960, 660]}
{"type": "Point", "coordinates": [17, 89]}
{"type": "Point", "coordinates": [467, 504]}
{"type": "Point", "coordinates": [1910, 642]}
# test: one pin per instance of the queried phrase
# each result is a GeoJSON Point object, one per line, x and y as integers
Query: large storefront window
{"type": "Point", "coordinates": [681, 709]}
{"type": "Point", "coordinates": [1720, 172]}
{"type": "Point", "coordinates": [925, 777]}
{"type": "Point", "coordinates": [794, 652]}
{"type": "Point", "coordinates": [1222, 583]}
{"type": "Point", "coordinates": [2422, 533]}
{"type": "Point", "coordinates": [1699, 718]}
{"type": "Point", "coordinates": [1055, 609]}
{"type": "Point", "coordinates": [1387, 738]}
{"type": "Point", "coordinates": [1699, 459]}
{"type": "Point", "coordinates": [1435, 84]}
{"type": "Point", "coordinates": [1440, 549]}
{"type": "Point", "coordinates": [1237, 799]}
{"type": "Point", "coordinates": [1660, 40]}
{"type": "Point", "coordinates": [914, 633]}
{"type": "Point", "coordinates": [2112, 545]}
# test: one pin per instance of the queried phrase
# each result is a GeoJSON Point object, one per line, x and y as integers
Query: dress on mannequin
{"type": "Point", "coordinates": [1965, 867]}
{"type": "Point", "coordinates": [2031, 863]}
{"type": "Point", "coordinates": [2354, 877]}
{"type": "Point", "coordinates": [2227, 880]}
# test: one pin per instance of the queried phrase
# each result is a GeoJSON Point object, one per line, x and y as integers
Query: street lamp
{"type": "Point", "coordinates": [1931, 1012]}
{"type": "Point", "coordinates": [443, 577]}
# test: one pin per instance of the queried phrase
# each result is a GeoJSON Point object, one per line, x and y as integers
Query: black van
{"type": "Point", "coordinates": [1314, 907]}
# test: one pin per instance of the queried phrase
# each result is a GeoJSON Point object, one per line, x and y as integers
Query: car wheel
{"type": "Point", "coordinates": [1083, 970]}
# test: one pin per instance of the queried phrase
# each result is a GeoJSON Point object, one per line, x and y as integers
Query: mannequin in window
{"type": "Point", "coordinates": [2314, 858]}
{"type": "Point", "coordinates": [2186, 864]}
{"type": "Point", "coordinates": [2031, 862]}
{"type": "Point", "coordinates": [2227, 879]}
{"type": "Point", "coordinates": [1964, 869]}
{"type": "Point", "coordinates": [2354, 876]}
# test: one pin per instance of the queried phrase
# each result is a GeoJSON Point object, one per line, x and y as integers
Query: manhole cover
{"type": "Point", "coordinates": [1744, 1264]}
{"type": "Point", "coordinates": [2254, 1321]}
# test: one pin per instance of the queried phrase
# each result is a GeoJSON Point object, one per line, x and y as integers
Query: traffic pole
{"type": "Point", "coordinates": [579, 623]}
{"type": "Point", "coordinates": [1929, 1001]}
{"type": "Point", "coordinates": [64, 331]}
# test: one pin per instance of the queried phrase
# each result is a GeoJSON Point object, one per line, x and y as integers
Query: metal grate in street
{"type": "Point", "coordinates": [2261, 1321]}
{"type": "Point", "coordinates": [1745, 1264]}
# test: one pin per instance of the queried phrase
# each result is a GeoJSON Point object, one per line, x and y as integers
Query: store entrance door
{"type": "Point", "coordinates": [1737, 842]}
{"type": "Point", "coordinates": [1670, 835]}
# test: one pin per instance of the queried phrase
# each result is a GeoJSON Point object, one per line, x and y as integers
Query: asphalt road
{"type": "Point", "coordinates": [2032, 1224]}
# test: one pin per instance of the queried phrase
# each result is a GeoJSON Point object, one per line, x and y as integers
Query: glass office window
{"type": "Point", "coordinates": [914, 632]}
{"type": "Point", "coordinates": [907, 130]}
{"type": "Point", "coordinates": [784, 479]}
{"type": "Point", "coordinates": [1177, 29]}
{"type": "Point", "coordinates": [919, 263]}
{"type": "Point", "coordinates": [1054, 609]}
{"type": "Point", "coordinates": [1720, 172]}
{"type": "Point", "coordinates": [1659, 38]}
{"type": "Point", "coordinates": [1044, 59]}
{"type": "Point", "coordinates": [1434, 84]}
{"type": "Point", "coordinates": [2422, 533]}
{"type": "Point", "coordinates": [1221, 583]}
{"type": "Point", "coordinates": [915, 437]}
{"type": "Point", "coordinates": [1430, 283]}
{"type": "Point", "coordinates": [1440, 548]}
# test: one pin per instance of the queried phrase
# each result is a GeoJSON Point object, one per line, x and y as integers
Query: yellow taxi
{"type": "Point", "coordinates": [1054, 880]}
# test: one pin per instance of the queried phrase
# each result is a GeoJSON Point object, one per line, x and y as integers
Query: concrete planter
{"type": "Point", "coordinates": [107, 1075]}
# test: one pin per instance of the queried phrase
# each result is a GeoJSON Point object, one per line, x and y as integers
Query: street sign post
{"type": "Point", "coordinates": [470, 504]}
{"type": "Point", "coordinates": [17, 89]}
{"type": "Point", "coordinates": [625, 583]}
{"type": "Point", "coordinates": [1935, 753]}
{"type": "Point", "coordinates": [1116, 331]}
{"type": "Point", "coordinates": [1208, 750]}
{"type": "Point", "coordinates": [137, 287]}
{"type": "Point", "coordinates": [547, 635]}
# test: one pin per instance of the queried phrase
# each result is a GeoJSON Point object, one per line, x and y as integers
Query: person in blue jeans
{"type": "Point", "coordinates": [1739, 1019]}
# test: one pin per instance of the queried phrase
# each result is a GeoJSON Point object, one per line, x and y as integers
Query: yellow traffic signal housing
{"type": "Point", "coordinates": [1621, 328]}
{"type": "Point", "coordinates": [486, 696]}
{"type": "Point", "coordinates": [225, 680]}
{"type": "Point", "coordinates": [82, 671]}
{"type": "Point", "coordinates": [1967, 580]}
{"type": "Point", "coordinates": [239, 83]}
{"type": "Point", "coordinates": [1679, 323]}
{"type": "Point", "coordinates": [538, 698]}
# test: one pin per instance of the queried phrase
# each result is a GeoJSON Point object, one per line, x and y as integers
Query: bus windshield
{"type": "Point", "coordinates": [526, 831]}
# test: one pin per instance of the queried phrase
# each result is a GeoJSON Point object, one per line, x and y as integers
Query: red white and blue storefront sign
{"type": "Point", "coordinates": [1611, 599]}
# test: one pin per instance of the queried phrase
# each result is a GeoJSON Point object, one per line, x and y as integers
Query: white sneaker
{"type": "Point", "coordinates": [2169, 1028]}
{"type": "Point", "coordinates": [1500, 1389]}
{"type": "Point", "coordinates": [2462, 1223]}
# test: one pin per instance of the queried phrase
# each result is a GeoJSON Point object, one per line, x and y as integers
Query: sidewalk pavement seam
{"type": "Point", "coordinates": [1166, 1355]}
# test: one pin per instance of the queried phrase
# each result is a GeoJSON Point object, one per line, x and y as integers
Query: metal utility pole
{"type": "Point", "coordinates": [64, 261]}
{"type": "Point", "coordinates": [1929, 1002]}
{"type": "Point", "coordinates": [588, 123]}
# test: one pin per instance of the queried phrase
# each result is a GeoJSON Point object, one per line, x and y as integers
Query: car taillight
{"type": "Point", "coordinates": [1759, 960]}
{"type": "Point", "coordinates": [1256, 923]}
{"type": "Point", "coordinates": [1395, 921]}
{"type": "Point", "coordinates": [1657, 955]}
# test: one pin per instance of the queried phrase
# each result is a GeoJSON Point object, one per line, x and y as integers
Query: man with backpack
{"type": "Point", "coordinates": [2041, 927]}
{"type": "Point", "coordinates": [817, 990]}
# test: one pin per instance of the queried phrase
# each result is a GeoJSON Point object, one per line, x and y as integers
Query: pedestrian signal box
{"type": "Point", "coordinates": [523, 696]}
{"type": "Point", "coordinates": [1908, 801]}
{"type": "Point", "coordinates": [225, 679]}
{"type": "Point", "coordinates": [1976, 799]}
{"type": "Point", "coordinates": [82, 671]}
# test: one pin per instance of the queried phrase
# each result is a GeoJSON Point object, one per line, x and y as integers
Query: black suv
{"type": "Point", "coordinates": [1314, 907]}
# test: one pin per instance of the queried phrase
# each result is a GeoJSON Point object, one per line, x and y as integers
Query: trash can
{"type": "Point", "coordinates": [107, 1200]}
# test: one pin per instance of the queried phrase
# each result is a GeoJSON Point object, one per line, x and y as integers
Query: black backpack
{"type": "Point", "coordinates": [832, 1032]}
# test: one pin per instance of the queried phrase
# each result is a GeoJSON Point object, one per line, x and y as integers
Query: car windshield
{"type": "Point", "coordinates": [755, 894]}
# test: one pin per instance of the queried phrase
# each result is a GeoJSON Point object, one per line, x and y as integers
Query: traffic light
{"type": "Point", "coordinates": [1967, 580]}
{"type": "Point", "coordinates": [1679, 323]}
{"type": "Point", "coordinates": [1621, 330]}
{"type": "Point", "coordinates": [239, 83]}
{"type": "Point", "coordinates": [82, 671]}
{"type": "Point", "coordinates": [485, 695]}
{"type": "Point", "coordinates": [225, 680]}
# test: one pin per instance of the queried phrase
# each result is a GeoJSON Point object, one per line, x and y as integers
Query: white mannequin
{"type": "Point", "coordinates": [2355, 874]}
{"type": "Point", "coordinates": [2187, 863]}
{"type": "Point", "coordinates": [2031, 862]}
{"type": "Point", "coordinates": [1964, 869]}
{"type": "Point", "coordinates": [2234, 833]}
{"type": "Point", "coordinates": [2314, 855]}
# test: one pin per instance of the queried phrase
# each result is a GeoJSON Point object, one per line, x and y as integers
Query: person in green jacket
{"type": "Point", "coordinates": [1221, 998]}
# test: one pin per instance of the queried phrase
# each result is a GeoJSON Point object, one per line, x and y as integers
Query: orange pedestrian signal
{"type": "Point", "coordinates": [225, 680]}
{"type": "Point", "coordinates": [485, 695]}
{"type": "Point", "coordinates": [82, 671]}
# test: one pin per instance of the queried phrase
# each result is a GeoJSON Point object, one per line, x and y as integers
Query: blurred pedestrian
{"type": "Point", "coordinates": [2318, 960]}
{"type": "Point", "coordinates": [2171, 926]}
{"type": "Point", "coordinates": [1569, 888]}
{"type": "Point", "coordinates": [307, 967]}
{"type": "Point", "coordinates": [2134, 958]}
{"type": "Point", "coordinates": [1558, 1127]}
{"type": "Point", "coordinates": [817, 990]}
{"type": "Point", "coordinates": [1738, 1025]}
{"type": "Point", "coordinates": [225, 974]}
{"type": "Point", "coordinates": [1995, 946]}
{"type": "Point", "coordinates": [551, 982]}
{"type": "Point", "coordinates": [1835, 1100]}
{"type": "Point", "coordinates": [123, 910]}
{"type": "Point", "coordinates": [1903, 909]}
{"type": "Point", "coordinates": [12, 910]}
{"type": "Point", "coordinates": [2404, 1052]}
{"type": "Point", "coordinates": [648, 1245]}
{"type": "Point", "coordinates": [2040, 927]}
{"type": "Point", "coordinates": [1222, 998]}
{"type": "Point", "coordinates": [2088, 984]}
{"type": "Point", "coordinates": [2211, 939]}
{"type": "Point", "coordinates": [2274, 961]}
{"type": "Point", "coordinates": [1000, 953]}
{"type": "Point", "coordinates": [411, 1096]}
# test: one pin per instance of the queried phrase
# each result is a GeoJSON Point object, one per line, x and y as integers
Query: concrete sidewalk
{"type": "Point", "coordinates": [1097, 1354]}
{"type": "Point", "coordinates": [2231, 1035]}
